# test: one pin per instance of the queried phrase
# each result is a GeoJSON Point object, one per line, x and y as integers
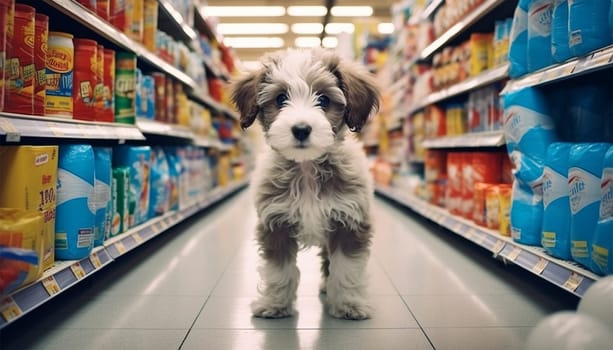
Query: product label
{"type": "Point", "coordinates": [85, 237]}
{"type": "Point", "coordinates": [548, 240]}
{"type": "Point", "coordinates": [584, 189]}
{"type": "Point", "coordinates": [102, 194]}
{"type": "Point", "coordinates": [600, 255]}
{"type": "Point", "coordinates": [519, 120]}
{"type": "Point", "coordinates": [520, 23]}
{"type": "Point", "coordinates": [71, 186]}
{"type": "Point", "coordinates": [576, 38]}
{"type": "Point", "coordinates": [606, 190]}
{"type": "Point", "coordinates": [555, 186]}
{"type": "Point", "coordinates": [578, 249]}
{"type": "Point", "coordinates": [539, 18]}
{"type": "Point", "coordinates": [59, 72]}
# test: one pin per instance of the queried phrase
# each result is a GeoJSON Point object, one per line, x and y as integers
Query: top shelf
{"type": "Point", "coordinates": [462, 26]}
{"type": "Point", "coordinates": [599, 60]}
{"type": "Point", "coordinates": [431, 8]}
{"type": "Point", "coordinates": [186, 30]}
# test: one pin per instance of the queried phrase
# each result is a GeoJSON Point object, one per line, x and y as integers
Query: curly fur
{"type": "Point", "coordinates": [314, 191]}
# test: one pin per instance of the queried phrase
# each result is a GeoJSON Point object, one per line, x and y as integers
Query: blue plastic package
{"type": "Point", "coordinates": [556, 216]}
{"type": "Point", "coordinates": [585, 168]}
{"type": "Point", "coordinates": [138, 159]}
{"type": "Point", "coordinates": [526, 215]}
{"type": "Point", "coordinates": [588, 25]}
{"type": "Point", "coordinates": [589, 106]}
{"type": "Point", "coordinates": [539, 34]}
{"type": "Point", "coordinates": [602, 246]}
{"type": "Point", "coordinates": [560, 50]}
{"type": "Point", "coordinates": [160, 183]}
{"type": "Point", "coordinates": [102, 194]}
{"type": "Point", "coordinates": [518, 41]}
{"type": "Point", "coordinates": [75, 212]}
{"type": "Point", "coordinates": [148, 93]}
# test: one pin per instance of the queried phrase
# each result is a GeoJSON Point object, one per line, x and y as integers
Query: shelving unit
{"type": "Point", "coordinates": [470, 140]}
{"type": "Point", "coordinates": [564, 274]}
{"type": "Point", "coordinates": [187, 31]}
{"type": "Point", "coordinates": [66, 274]}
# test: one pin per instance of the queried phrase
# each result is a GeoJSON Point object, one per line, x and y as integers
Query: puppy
{"type": "Point", "coordinates": [312, 185]}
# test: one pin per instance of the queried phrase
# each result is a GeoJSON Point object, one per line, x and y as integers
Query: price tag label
{"type": "Point", "coordinates": [602, 59]}
{"type": "Point", "coordinates": [497, 248]}
{"type": "Point", "coordinates": [9, 309]}
{"type": "Point", "coordinates": [51, 285]}
{"type": "Point", "coordinates": [583, 64]}
{"type": "Point", "coordinates": [78, 271]}
{"type": "Point", "coordinates": [540, 266]}
{"type": "Point", "coordinates": [120, 247]}
{"type": "Point", "coordinates": [137, 238]}
{"type": "Point", "coordinates": [514, 253]}
{"type": "Point", "coordinates": [573, 282]}
{"type": "Point", "coordinates": [95, 259]}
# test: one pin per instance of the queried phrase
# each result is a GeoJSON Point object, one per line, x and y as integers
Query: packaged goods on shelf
{"type": "Point", "coordinates": [560, 49]}
{"type": "Point", "coordinates": [28, 182]}
{"type": "Point", "coordinates": [144, 98]}
{"type": "Point", "coordinates": [41, 38]}
{"type": "Point", "coordinates": [103, 8]}
{"type": "Point", "coordinates": [136, 22]}
{"type": "Point", "coordinates": [588, 25]}
{"type": "Point", "coordinates": [504, 196]}
{"type": "Point", "coordinates": [585, 169]}
{"type": "Point", "coordinates": [103, 194]}
{"type": "Point", "coordinates": [108, 92]}
{"type": "Point", "coordinates": [451, 13]}
{"type": "Point", "coordinates": [502, 31]}
{"type": "Point", "coordinates": [603, 239]}
{"type": "Point", "coordinates": [138, 160]}
{"type": "Point", "coordinates": [483, 109]}
{"type": "Point", "coordinates": [120, 190]}
{"type": "Point", "coordinates": [4, 37]}
{"type": "Point", "coordinates": [117, 14]}
{"type": "Point", "coordinates": [174, 173]}
{"type": "Point", "coordinates": [150, 24]}
{"type": "Point", "coordinates": [76, 207]}
{"type": "Point", "coordinates": [539, 34]}
{"type": "Point", "coordinates": [60, 73]}
{"type": "Point", "coordinates": [455, 180]}
{"type": "Point", "coordinates": [125, 81]}
{"type": "Point", "coordinates": [160, 183]}
{"type": "Point", "coordinates": [556, 217]}
{"type": "Point", "coordinates": [518, 45]}
{"type": "Point", "coordinates": [20, 68]}
{"type": "Point", "coordinates": [455, 118]}
{"type": "Point", "coordinates": [85, 79]}
{"type": "Point", "coordinates": [99, 88]}
{"type": "Point", "coordinates": [25, 230]}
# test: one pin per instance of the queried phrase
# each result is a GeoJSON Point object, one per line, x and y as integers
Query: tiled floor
{"type": "Point", "coordinates": [191, 289]}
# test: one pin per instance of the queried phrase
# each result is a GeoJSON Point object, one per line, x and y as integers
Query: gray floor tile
{"type": "Point", "coordinates": [508, 338]}
{"type": "Point", "coordinates": [389, 339]}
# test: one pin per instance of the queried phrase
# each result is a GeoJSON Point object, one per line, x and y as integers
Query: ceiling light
{"type": "Point", "coordinates": [385, 28]}
{"type": "Point", "coordinates": [330, 42]}
{"type": "Point", "coordinates": [243, 11]}
{"type": "Point", "coordinates": [252, 28]}
{"type": "Point", "coordinates": [307, 11]}
{"type": "Point", "coordinates": [254, 42]}
{"type": "Point", "coordinates": [351, 11]}
{"type": "Point", "coordinates": [307, 28]}
{"type": "Point", "coordinates": [307, 41]}
{"type": "Point", "coordinates": [335, 28]}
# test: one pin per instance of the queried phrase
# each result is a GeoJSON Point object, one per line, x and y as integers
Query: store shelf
{"type": "Point", "coordinates": [431, 8]}
{"type": "Point", "coordinates": [564, 274]}
{"type": "Point", "coordinates": [211, 103]}
{"type": "Point", "coordinates": [598, 60]}
{"type": "Point", "coordinates": [13, 127]}
{"type": "Point", "coordinates": [148, 126]}
{"type": "Point", "coordinates": [187, 31]}
{"type": "Point", "coordinates": [488, 77]}
{"type": "Point", "coordinates": [207, 142]}
{"type": "Point", "coordinates": [469, 140]}
{"type": "Point", "coordinates": [463, 25]}
{"type": "Point", "coordinates": [66, 274]}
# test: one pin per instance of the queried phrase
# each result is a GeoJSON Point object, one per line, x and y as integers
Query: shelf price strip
{"type": "Point", "coordinates": [51, 285]}
{"type": "Point", "coordinates": [78, 271]}
{"type": "Point", "coordinates": [573, 282]}
{"type": "Point", "coordinates": [9, 309]}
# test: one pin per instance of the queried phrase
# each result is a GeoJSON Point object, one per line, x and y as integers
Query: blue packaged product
{"type": "Point", "coordinates": [585, 169]}
{"type": "Point", "coordinates": [560, 51]}
{"type": "Point", "coordinates": [556, 216]}
{"type": "Point", "coordinates": [589, 105]}
{"type": "Point", "coordinates": [102, 194]}
{"type": "Point", "coordinates": [539, 34]}
{"type": "Point", "coordinates": [160, 183]}
{"type": "Point", "coordinates": [138, 159]}
{"type": "Point", "coordinates": [518, 41]}
{"type": "Point", "coordinates": [75, 212]}
{"type": "Point", "coordinates": [602, 246]}
{"type": "Point", "coordinates": [588, 25]}
{"type": "Point", "coordinates": [148, 90]}
{"type": "Point", "coordinates": [174, 169]}
{"type": "Point", "coordinates": [526, 215]}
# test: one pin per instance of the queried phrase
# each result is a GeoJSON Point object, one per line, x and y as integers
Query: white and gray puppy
{"type": "Point", "coordinates": [312, 185]}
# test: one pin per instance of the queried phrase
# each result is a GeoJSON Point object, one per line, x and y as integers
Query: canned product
{"type": "Point", "coordinates": [99, 89]}
{"type": "Point", "coordinates": [136, 20]}
{"type": "Point", "coordinates": [170, 102]}
{"type": "Point", "coordinates": [85, 80]}
{"type": "Point", "coordinates": [102, 9]}
{"type": "Point", "coordinates": [19, 94]}
{"type": "Point", "coordinates": [108, 93]}
{"type": "Point", "coordinates": [150, 24]}
{"type": "Point", "coordinates": [5, 9]}
{"type": "Point", "coordinates": [90, 4]}
{"type": "Point", "coordinates": [125, 82]}
{"type": "Point", "coordinates": [60, 66]}
{"type": "Point", "coordinates": [40, 59]}
{"type": "Point", "coordinates": [117, 14]}
{"type": "Point", "coordinates": [160, 96]}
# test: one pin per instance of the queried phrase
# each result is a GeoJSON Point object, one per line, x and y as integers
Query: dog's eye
{"type": "Point", "coordinates": [281, 100]}
{"type": "Point", "coordinates": [323, 101]}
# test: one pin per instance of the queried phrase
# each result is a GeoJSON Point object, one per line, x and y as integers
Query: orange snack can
{"type": "Point", "coordinates": [504, 198]}
{"type": "Point", "coordinates": [6, 7]}
{"type": "Point", "coordinates": [492, 207]}
{"type": "Point", "coordinates": [102, 9]}
{"type": "Point", "coordinates": [108, 90]}
{"type": "Point", "coordinates": [479, 211]}
{"type": "Point", "coordinates": [19, 92]}
{"type": "Point", "coordinates": [160, 96]}
{"type": "Point", "coordinates": [85, 80]}
{"type": "Point", "coordinates": [40, 59]}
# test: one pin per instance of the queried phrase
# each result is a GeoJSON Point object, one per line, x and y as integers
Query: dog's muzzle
{"type": "Point", "coordinates": [301, 131]}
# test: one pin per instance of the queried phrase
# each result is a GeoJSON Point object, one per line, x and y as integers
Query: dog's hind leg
{"type": "Point", "coordinates": [347, 282]}
{"type": "Point", "coordinates": [325, 269]}
{"type": "Point", "coordinates": [279, 273]}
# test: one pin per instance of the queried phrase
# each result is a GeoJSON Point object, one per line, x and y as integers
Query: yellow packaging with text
{"type": "Point", "coordinates": [28, 181]}
{"type": "Point", "coordinates": [23, 229]}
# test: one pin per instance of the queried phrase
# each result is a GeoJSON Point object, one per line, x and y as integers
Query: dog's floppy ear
{"type": "Point", "coordinates": [244, 94]}
{"type": "Point", "coordinates": [361, 93]}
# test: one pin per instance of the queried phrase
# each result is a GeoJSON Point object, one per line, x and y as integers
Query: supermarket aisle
{"type": "Point", "coordinates": [191, 289]}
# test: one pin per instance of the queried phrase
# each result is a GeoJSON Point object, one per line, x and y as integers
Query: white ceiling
{"type": "Point", "coordinates": [381, 13]}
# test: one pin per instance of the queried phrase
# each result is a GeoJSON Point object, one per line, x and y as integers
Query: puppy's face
{"type": "Point", "coordinates": [304, 100]}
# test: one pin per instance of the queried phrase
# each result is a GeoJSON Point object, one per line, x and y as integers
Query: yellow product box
{"type": "Point", "coordinates": [28, 181]}
{"type": "Point", "coordinates": [22, 229]}
{"type": "Point", "coordinates": [150, 24]}
{"type": "Point", "coordinates": [479, 47]}
{"type": "Point", "coordinates": [504, 198]}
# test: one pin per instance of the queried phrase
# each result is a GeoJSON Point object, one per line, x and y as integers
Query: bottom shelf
{"type": "Point", "coordinates": [66, 274]}
{"type": "Point", "coordinates": [564, 274]}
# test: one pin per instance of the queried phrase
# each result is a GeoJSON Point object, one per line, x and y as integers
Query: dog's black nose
{"type": "Point", "coordinates": [301, 131]}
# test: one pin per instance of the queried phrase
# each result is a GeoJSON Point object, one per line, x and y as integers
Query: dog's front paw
{"type": "Point", "coordinates": [350, 311]}
{"type": "Point", "coordinates": [265, 309]}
